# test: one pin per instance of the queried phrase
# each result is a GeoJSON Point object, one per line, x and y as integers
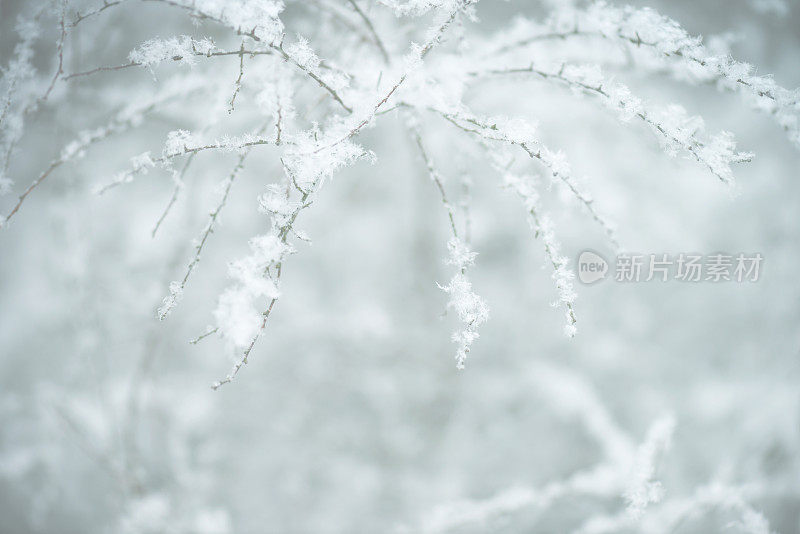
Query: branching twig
{"type": "Point", "coordinates": [60, 51]}
{"type": "Point", "coordinates": [238, 84]}
{"type": "Point", "coordinates": [692, 144]}
{"type": "Point", "coordinates": [490, 131]}
{"type": "Point", "coordinates": [75, 149]}
{"type": "Point", "coordinates": [176, 291]}
{"type": "Point", "coordinates": [80, 17]}
{"type": "Point", "coordinates": [276, 47]}
{"type": "Point", "coordinates": [130, 64]}
{"type": "Point", "coordinates": [283, 235]}
{"type": "Point", "coordinates": [127, 176]}
{"type": "Point", "coordinates": [433, 40]}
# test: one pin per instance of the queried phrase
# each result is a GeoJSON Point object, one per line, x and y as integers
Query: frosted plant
{"type": "Point", "coordinates": [390, 78]}
{"type": "Point", "coordinates": [249, 114]}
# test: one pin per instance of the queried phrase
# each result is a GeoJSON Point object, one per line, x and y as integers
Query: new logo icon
{"type": "Point", "coordinates": [591, 267]}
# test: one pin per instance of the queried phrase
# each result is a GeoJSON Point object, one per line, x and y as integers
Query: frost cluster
{"type": "Point", "coordinates": [183, 49]}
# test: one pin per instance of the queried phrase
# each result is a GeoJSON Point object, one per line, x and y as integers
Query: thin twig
{"type": "Point", "coordinates": [80, 17]}
{"type": "Point", "coordinates": [276, 47]}
{"type": "Point", "coordinates": [693, 145]}
{"type": "Point", "coordinates": [435, 177]}
{"type": "Point", "coordinates": [221, 53]}
{"type": "Point", "coordinates": [238, 84]}
{"type": "Point", "coordinates": [116, 125]}
{"type": "Point", "coordinates": [372, 31]}
{"type": "Point", "coordinates": [201, 337]}
{"type": "Point", "coordinates": [482, 130]}
{"type": "Point", "coordinates": [128, 175]}
{"type": "Point", "coordinates": [60, 69]}
{"type": "Point", "coordinates": [175, 190]}
{"type": "Point", "coordinates": [430, 43]}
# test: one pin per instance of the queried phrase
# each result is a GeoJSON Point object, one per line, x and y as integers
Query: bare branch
{"type": "Point", "coordinates": [376, 38]}
{"type": "Point", "coordinates": [80, 17]}
{"type": "Point", "coordinates": [175, 190]}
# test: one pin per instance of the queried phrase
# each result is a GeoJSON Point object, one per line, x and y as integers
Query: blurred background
{"type": "Point", "coordinates": [351, 416]}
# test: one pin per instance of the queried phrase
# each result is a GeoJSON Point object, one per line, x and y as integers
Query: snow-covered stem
{"type": "Point", "coordinates": [283, 234]}
{"type": "Point", "coordinates": [177, 58]}
{"type": "Point", "coordinates": [543, 229]}
{"type": "Point", "coordinates": [471, 308]}
{"type": "Point", "coordinates": [238, 83]}
{"type": "Point", "coordinates": [645, 28]}
{"type": "Point", "coordinates": [678, 132]}
{"type": "Point", "coordinates": [144, 162]}
{"type": "Point", "coordinates": [176, 289]}
{"type": "Point", "coordinates": [17, 101]}
{"type": "Point", "coordinates": [413, 60]}
{"type": "Point", "coordinates": [275, 42]}
{"type": "Point", "coordinates": [555, 162]}
{"type": "Point", "coordinates": [128, 118]}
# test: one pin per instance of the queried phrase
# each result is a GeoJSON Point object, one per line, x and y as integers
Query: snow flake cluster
{"type": "Point", "coordinates": [471, 309]}
{"type": "Point", "coordinates": [183, 49]}
{"type": "Point", "coordinates": [238, 316]}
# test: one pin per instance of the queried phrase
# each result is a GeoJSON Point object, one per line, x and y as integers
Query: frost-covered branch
{"type": "Point", "coordinates": [520, 133]}
{"type": "Point", "coordinates": [471, 309]}
{"type": "Point", "coordinates": [412, 61]}
{"type": "Point", "coordinates": [129, 117]}
{"type": "Point", "coordinates": [269, 31]}
{"type": "Point", "coordinates": [182, 143]}
{"type": "Point", "coordinates": [178, 54]}
{"type": "Point", "coordinates": [59, 51]}
{"type": "Point", "coordinates": [646, 29]}
{"type": "Point", "coordinates": [673, 127]}
{"type": "Point", "coordinates": [364, 85]}
{"type": "Point", "coordinates": [80, 17]}
{"type": "Point", "coordinates": [176, 288]}
{"type": "Point", "coordinates": [238, 320]}
{"type": "Point", "coordinates": [542, 227]}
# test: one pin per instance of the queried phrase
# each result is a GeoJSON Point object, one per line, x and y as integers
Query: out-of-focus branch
{"type": "Point", "coordinates": [375, 37]}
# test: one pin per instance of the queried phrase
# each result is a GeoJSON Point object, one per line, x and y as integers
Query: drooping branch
{"type": "Point", "coordinates": [671, 128]}
{"type": "Point", "coordinates": [665, 39]}
{"type": "Point", "coordinates": [554, 161]}
{"type": "Point", "coordinates": [471, 309]}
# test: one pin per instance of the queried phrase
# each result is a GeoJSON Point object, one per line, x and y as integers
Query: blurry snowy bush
{"type": "Point", "coordinates": [171, 157]}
